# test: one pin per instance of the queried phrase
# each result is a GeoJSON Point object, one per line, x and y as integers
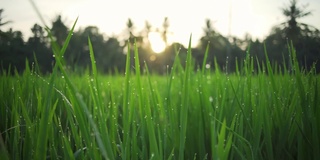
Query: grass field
{"type": "Point", "coordinates": [266, 113]}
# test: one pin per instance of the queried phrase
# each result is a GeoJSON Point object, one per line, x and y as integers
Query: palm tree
{"type": "Point", "coordinates": [1, 18]}
{"type": "Point", "coordinates": [164, 33]}
{"type": "Point", "coordinates": [305, 38]}
{"type": "Point", "coordinates": [59, 30]}
{"type": "Point", "coordinates": [2, 34]}
{"type": "Point", "coordinates": [132, 38]}
{"type": "Point", "coordinates": [292, 29]}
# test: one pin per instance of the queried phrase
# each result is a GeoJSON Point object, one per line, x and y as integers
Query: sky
{"type": "Point", "coordinates": [186, 17]}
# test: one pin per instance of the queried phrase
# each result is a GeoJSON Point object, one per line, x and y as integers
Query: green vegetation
{"type": "Point", "coordinates": [189, 113]}
{"type": "Point", "coordinates": [254, 108]}
{"type": "Point", "coordinates": [110, 50]}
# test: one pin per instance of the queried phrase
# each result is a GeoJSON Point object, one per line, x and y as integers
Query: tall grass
{"type": "Point", "coordinates": [186, 114]}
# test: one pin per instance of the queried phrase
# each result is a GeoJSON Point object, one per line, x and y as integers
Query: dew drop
{"type": "Point", "coordinates": [208, 66]}
{"type": "Point", "coordinates": [210, 99]}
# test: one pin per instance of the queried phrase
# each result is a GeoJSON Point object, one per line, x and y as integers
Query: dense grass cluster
{"type": "Point", "coordinates": [266, 113]}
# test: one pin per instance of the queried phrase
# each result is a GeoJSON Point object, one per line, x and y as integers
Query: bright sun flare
{"type": "Point", "coordinates": [156, 42]}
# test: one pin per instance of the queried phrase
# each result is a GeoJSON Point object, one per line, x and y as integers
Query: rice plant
{"type": "Point", "coordinates": [185, 114]}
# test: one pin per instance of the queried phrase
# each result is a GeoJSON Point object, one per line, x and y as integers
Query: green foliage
{"type": "Point", "coordinates": [303, 36]}
{"type": "Point", "coordinates": [262, 110]}
{"type": "Point", "coordinates": [186, 114]}
{"type": "Point", "coordinates": [110, 51]}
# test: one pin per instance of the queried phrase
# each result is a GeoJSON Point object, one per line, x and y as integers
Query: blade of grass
{"type": "Point", "coordinates": [185, 102]}
{"type": "Point", "coordinates": [204, 63]}
{"type": "Point", "coordinates": [98, 105]}
{"type": "Point", "coordinates": [150, 124]}
{"type": "Point", "coordinates": [78, 97]}
{"type": "Point", "coordinates": [3, 151]}
{"type": "Point", "coordinates": [127, 115]}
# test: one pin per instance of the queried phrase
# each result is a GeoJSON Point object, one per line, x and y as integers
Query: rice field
{"type": "Point", "coordinates": [267, 113]}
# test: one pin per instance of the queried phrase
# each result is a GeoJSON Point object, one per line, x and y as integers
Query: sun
{"type": "Point", "coordinates": [156, 42]}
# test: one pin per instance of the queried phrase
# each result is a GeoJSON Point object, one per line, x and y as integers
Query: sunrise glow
{"type": "Point", "coordinates": [156, 42]}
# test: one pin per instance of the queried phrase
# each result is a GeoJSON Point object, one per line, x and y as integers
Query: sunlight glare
{"type": "Point", "coordinates": [156, 42]}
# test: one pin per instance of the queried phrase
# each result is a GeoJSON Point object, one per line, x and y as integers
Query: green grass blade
{"type": "Point", "coordinates": [3, 151]}
{"type": "Point", "coordinates": [204, 63]}
{"type": "Point", "coordinates": [41, 144]}
{"type": "Point", "coordinates": [98, 105]}
{"type": "Point", "coordinates": [127, 114]}
{"type": "Point", "coordinates": [185, 103]}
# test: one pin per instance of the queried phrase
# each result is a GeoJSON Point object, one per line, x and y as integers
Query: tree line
{"type": "Point", "coordinates": [110, 52]}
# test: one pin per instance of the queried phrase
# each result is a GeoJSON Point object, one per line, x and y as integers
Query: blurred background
{"type": "Point", "coordinates": [161, 29]}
